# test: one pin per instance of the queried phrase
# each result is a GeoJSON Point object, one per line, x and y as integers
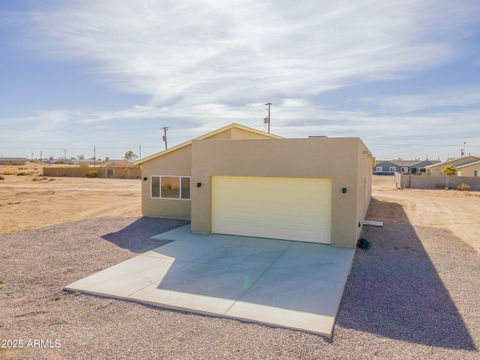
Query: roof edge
{"type": "Point", "coordinates": [468, 164]}
{"type": "Point", "coordinates": [205, 136]}
{"type": "Point", "coordinates": [452, 160]}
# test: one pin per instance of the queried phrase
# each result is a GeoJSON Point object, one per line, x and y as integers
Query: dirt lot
{"type": "Point", "coordinates": [414, 294]}
{"type": "Point", "coordinates": [30, 201]}
{"type": "Point", "coordinates": [453, 210]}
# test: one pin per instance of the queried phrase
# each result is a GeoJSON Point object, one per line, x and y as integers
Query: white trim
{"type": "Point", "coordinates": [180, 187]}
{"type": "Point", "coordinates": [394, 169]}
{"type": "Point", "coordinates": [403, 169]}
{"type": "Point", "coordinates": [377, 168]}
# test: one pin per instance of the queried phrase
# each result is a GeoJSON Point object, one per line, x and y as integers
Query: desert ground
{"type": "Point", "coordinates": [413, 294]}
{"type": "Point", "coordinates": [29, 201]}
{"type": "Point", "coordinates": [456, 211]}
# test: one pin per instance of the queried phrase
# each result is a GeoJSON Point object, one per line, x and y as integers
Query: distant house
{"type": "Point", "coordinates": [12, 161]}
{"type": "Point", "coordinates": [470, 169]}
{"type": "Point", "coordinates": [390, 167]}
{"type": "Point", "coordinates": [437, 169]}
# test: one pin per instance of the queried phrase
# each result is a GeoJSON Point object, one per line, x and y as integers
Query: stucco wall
{"type": "Point", "coordinates": [337, 159]}
{"type": "Point", "coordinates": [176, 163]}
{"type": "Point", "coordinates": [435, 181]}
{"type": "Point", "coordinates": [79, 171]}
{"type": "Point", "coordinates": [364, 184]}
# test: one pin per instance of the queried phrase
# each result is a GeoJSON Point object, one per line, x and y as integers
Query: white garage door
{"type": "Point", "coordinates": [273, 207]}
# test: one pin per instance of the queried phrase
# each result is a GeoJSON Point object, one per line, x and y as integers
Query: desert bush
{"type": "Point", "coordinates": [36, 179]}
{"type": "Point", "coordinates": [25, 173]}
{"type": "Point", "coordinates": [92, 174]}
{"type": "Point", "coordinates": [450, 170]}
{"type": "Point", "coordinates": [2, 177]}
{"type": "Point", "coordinates": [463, 187]}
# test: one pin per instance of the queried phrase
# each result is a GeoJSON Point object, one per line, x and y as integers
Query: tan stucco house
{"type": "Point", "coordinates": [470, 169]}
{"type": "Point", "coordinates": [437, 169]}
{"type": "Point", "coordinates": [241, 181]}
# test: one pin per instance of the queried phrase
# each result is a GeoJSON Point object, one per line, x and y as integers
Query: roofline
{"type": "Point", "coordinates": [204, 136]}
{"type": "Point", "coordinates": [450, 161]}
{"type": "Point", "coordinates": [469, 164]}
{"type": "Point", "coordinates": [414, 162]}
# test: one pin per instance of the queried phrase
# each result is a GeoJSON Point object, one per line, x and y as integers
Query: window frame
{"type": "Point", "coordinates": [392, 167]}
{"type": "Point", "coordinates": [180, 187]}
{"type": "Point", "coordinates": [404, 170]}
{"type": "Point", "coordinates": [377, 168]}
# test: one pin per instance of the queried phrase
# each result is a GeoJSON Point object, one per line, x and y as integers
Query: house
{"type": "Point", "coordinates": [241, 181]}
{"type": "Point", "coordinates": [470, 169]}
{"type": "Point", "coordinates": [437, 169]}
{"type": "Point", "coordinates": [12, 161]}
{"type": "Point", "coordinates": [390, 167]}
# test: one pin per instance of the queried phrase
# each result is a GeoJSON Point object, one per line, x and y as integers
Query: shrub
{"type": "Point", "coordinates": [2, 177]}
{"type": "Point", "coordinates": [25, 173]}
{"type": "Point", "coordinates": [450, 170]}
{"type": "Point", "coordinates": [92, 174]}
{"type": "Point", "coordinates": [463, 187]}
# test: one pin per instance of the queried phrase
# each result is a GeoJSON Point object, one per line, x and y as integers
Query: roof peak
{"type": "Point", "coordinates": [206, 136]}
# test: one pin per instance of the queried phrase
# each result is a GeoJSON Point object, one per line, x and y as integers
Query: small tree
{"type": "Point", "coordinates": [130, 156]}
{"type": "Point", "coordinates": [450, 170]}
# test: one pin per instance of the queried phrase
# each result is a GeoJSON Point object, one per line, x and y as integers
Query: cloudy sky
{"type": "Point", "coordinates": [403, 75]}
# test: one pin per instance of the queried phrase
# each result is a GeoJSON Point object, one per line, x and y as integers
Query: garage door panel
{"type": "Point", "coordinates": [284, 208]}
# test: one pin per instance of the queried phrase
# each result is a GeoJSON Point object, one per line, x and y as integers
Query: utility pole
{"type": "Point", "coordinates": [140, 152]}
{"type": "Point", "coordinates": [267, 119]}
{"type": "Point", "coordinates": [65, 154]}
{"type": "Point", "coordinates": [165, 137]}
{"type": "Point", "coordinates": [94, 156]}
{"type": "Point", "coordinates": [41, 157]}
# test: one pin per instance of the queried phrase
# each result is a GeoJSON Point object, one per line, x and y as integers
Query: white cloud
{"type": "Point", "coordinates": [449, 97]}
{"type": "Point", "coordinates": [205, 52]}
{"type": "Point", "coordinates": [207, 63]}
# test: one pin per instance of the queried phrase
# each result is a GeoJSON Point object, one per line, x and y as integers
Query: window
{"type": "Point", "coordinates": [155, 186]}
{"type": "Point", "coordinates": [379, 168]}
{"type": "Point", "coordinates": [404, 170]}
{"type": "Point", "coordinates": [170, 187]}
{"type": "Point", "coordinates": [185, 188]}
{"type": "Point", "coordinates": [393, 169]}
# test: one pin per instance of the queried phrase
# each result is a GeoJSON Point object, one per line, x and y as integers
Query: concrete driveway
{"type": "Point", "coordinates": [290, 284]}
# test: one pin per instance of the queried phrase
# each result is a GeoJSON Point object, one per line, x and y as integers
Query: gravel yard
{"type": "Point", "coordinates": [414, 294]}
